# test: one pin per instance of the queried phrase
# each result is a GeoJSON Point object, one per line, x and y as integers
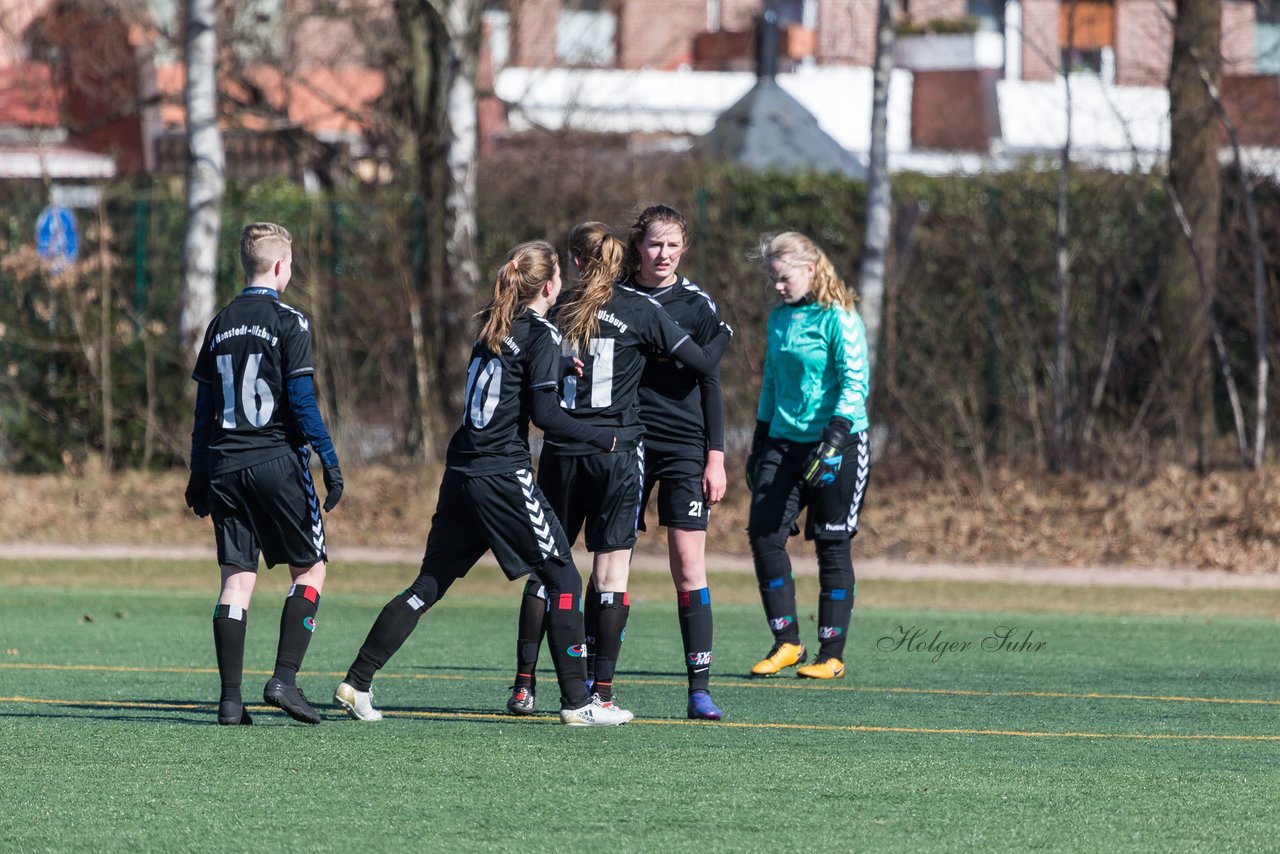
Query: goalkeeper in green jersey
{"type": "Point", "coordinates": [810, 450]}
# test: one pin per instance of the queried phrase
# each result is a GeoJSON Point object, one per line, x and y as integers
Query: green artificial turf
{"type": "Point", "coordinates": [1146, 732]}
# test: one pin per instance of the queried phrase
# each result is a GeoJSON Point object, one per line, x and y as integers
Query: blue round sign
{"type": "Point", "coordinates": [56, 238]}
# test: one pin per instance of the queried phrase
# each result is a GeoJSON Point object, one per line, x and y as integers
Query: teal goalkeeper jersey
{"type": "Point", "coordinates": [815, 367]}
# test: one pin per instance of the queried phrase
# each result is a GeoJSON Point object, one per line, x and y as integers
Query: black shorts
{"type": "Point", "coordinates": [599, 491]}
{"type": "Point", "coordinates": [681, 501]}
{"type": "Point", "coordinates": [780, 495]}
{"type": "Point", "coordinates": [505, 513]}
{"type": "Point", "coordinates": [269, 508]}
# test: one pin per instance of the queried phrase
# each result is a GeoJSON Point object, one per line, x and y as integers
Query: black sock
{"type": "Point", "coordinates": [777, 586]}
{"type": "Point", "coordinates": [564, 638]}
{"type": "Point", "coordinates": [229, 624]}
{"type": "Point", "coordinates": [297, 623]}
{"type": "Point", "coordinates": [835, 602]}
{"type": "Point", "coordinates": [532, 625]}
{"type": "Point", "coordinates": [397, 621]}
{"type": "Point", "coordinates": [694, 610]}
{"type": "Point", "coordinates": [591, 624]}
{"type": "Point", "coordinates": [614, 608]}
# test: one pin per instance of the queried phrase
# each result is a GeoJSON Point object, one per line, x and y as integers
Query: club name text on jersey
{"type": "Point", "coordinates": [243, 330]}
{"type": "Point", "coordinates": [611, 319]}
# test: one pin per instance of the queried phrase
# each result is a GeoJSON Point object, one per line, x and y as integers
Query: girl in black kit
{"type": "Point", "coordinates": [488, 498]}
{"type": "Point", "coordinates": [611, 328]}
{"type": "Point", "coordinates": [683, 418]}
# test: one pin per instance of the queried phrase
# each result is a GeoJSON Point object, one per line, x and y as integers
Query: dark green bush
{"type": "Point", "coordinates": [966, 351]}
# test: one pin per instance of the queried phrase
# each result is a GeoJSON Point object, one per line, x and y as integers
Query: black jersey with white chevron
{"type": "Point", "coordinates": [632, 327]}
{"type": "Point", "coordinates": [494, 436]}
{"type": "Point", "coordinates": [251, 350]}
{"type": "Point", "coordinates": [671, 394]}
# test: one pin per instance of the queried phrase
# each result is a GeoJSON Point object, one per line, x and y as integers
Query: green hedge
{"type": "Point", "coordinates": [967, 341]}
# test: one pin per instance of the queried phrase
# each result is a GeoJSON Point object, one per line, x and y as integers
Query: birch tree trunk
{"type": "Point", "coordinates": [443, 49]}
{"type": "Point", "coordinates": [206, 168]}
{"type": "Point", "coordinates": [875, 246]}
{"type": "Point", "coordinates": [1059, 457]}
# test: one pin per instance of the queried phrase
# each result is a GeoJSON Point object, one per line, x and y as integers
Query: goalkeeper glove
{"type": "Point", "coordinates": [823, 465]}
{"type": "Point", "coordinates": [198, 493]}
{"type": "Point", "coordinates": [757, 447]}
{"type": "Point", "coordinates": [332, 487]}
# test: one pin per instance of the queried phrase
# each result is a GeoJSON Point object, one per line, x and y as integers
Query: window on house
{"type": "Point", "coordinates": [1086, 35]}
{"type": "Point", "coordinates": [587, 33]}
{"type": "Point", "coordinates": [989, 14]}
{"type": "Point", "coordinates": [1266, 37]}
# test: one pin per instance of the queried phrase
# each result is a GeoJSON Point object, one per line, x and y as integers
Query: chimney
{"type": "Point", "coordinates": [767, 43]}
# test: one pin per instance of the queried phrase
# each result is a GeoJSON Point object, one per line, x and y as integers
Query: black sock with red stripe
{"type": "Point", "coordinates": [297, 623]}
{"type": "Point", "coordinates": [694, 610]}
{"type": "Point", "coordinates": [229, 625]}
{"type": "Point", "coordinates": [564, 638]}
{"type": "Point", "coordinates": [532, 625]}
{"type": "Point", "coordinates": [612, 628]}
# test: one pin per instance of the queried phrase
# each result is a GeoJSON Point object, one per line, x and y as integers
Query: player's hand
{"type": "Point", "coordinates": [714, 482]}
{"type": "Point", "coordinates": [823, 465]}
{"type": "Point", "coordinates": [197, 494]}
{"type": "Point", "coordinates": [332, 487]}
{"type": "Point", "coordinates": [570, 366]}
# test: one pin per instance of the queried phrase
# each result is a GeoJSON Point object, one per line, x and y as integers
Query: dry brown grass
{"type": "Point", "coordinates": [1225, 520]}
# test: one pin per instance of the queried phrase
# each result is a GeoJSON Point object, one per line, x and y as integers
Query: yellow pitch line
{"type": "Point", "coordinates": [783, 684]}
{"type": "Point", "coordinates": [865, 728]}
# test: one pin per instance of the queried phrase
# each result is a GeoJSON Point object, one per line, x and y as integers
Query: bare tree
{"type": "Point", "coordinates": [206, 168]}
{"type": "Point", "coordinates": [1258, 270]}
{"type": "Point", "coordinates": [1195, 178]}
{"type": "Point", "coordinates": [437, 74]}
{"type": "Point", "coordinates": [875, 244]}
{"type": "Point", "coordinates": [1060, 461]}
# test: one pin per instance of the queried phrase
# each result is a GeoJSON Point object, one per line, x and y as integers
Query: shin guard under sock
{"type": "Point", "coordinates": [694, 610]}
{"type": "Point", "coordinates": [568, 653]}
{"type": "Point", "coordinates": [779, 598]}
{"type": "Point", "coordinates": [532, 626]}
{"type": "Point", "coordinates": [395, 623]}
{"type": "Point", "coordinates": [835, 602]}
{"type": "Point", "coordinates": [297, 623]}
{"type": "Point", "coordinates": [229, 625]}
{"type": "Point", "coordinates": [612, 628]}
{"type": "Point", "coordinates": [777, 585]}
